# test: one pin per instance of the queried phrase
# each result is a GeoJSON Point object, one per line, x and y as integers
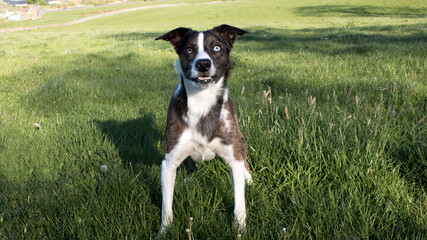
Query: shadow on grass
{"type": "Point", "coordinates": [137, 141]}
{"type": "Point", "coordinates": [362, 11]}
{"type": "Point", "coordinates": [337, 41]}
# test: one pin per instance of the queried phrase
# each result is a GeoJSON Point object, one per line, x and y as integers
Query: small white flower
{"type": "Point", "coordinates": [104, 168]}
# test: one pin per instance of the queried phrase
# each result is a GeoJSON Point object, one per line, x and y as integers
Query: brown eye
{"type": "Point", "coordinates": [189, 50]}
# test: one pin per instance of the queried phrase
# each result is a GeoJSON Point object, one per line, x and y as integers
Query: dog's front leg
{"type": "Point", "coordinates": [237, 174]}
{"type": "Point", "coordinates": [168, 176]}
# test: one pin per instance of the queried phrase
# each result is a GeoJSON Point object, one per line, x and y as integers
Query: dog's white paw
{"type": "Point", "coordinates": [162, 231]}
{"type": "Point", "coordinates": [240, 218]}
{"type": "Point", "coordinates": [248, 178]}
{"type": "Point", "coordinates": [240, 223]}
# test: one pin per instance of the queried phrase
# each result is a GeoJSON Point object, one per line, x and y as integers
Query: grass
{"type": "Point", "coordinates": [338, 153]}
{"type": "Point", "coordinates": [62, 16]}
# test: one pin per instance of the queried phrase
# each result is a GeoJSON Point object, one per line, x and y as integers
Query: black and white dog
{"type": "Point", "coordinates": [201, 121]}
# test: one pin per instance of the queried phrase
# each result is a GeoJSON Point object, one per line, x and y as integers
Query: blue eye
{"type": "Point", "coordinates": [217, 48]}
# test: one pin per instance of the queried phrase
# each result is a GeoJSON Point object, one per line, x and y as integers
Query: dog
{"type": "Point", "coordinates": [201, 121]}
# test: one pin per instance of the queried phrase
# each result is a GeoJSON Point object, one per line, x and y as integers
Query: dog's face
{"type": "Point", "coordinates": [203, 56]}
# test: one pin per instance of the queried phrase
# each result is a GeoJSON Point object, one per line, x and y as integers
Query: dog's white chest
{"type": "Point", "coordinates": [202, 153]}
{"type": "Point", "coordinates": [190, 143]}
{"type": "Point", "coordinates": [199, 100]}
{"type": "Point", "coordinates": [200, 103]}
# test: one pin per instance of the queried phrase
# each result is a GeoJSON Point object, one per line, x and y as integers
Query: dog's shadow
{"type": "Point", "coordinates": [138, 141]}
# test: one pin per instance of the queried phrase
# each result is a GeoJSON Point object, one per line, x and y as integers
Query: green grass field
{"type": "Point", "coordinates": [337, 151]}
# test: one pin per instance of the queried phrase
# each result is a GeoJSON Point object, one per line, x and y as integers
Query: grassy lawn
{"type": "Point", "coordinates": [337, 151]}
{"type": "Point", "coordinates": [54, 16]}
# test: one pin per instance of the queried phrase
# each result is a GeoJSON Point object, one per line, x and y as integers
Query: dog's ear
{"type": "Point", "coordinates": [230, 33]}
{"type": "Point", "coordinates": [175, 36]}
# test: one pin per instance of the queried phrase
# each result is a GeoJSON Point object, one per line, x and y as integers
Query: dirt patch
{"type": "Point", "coordinates": [98, 12]}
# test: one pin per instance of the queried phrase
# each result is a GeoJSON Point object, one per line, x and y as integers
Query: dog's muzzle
{"type": "Point", "coordinates": [204, 70]}
{"type": "Point", "coordinates": [203, 65]}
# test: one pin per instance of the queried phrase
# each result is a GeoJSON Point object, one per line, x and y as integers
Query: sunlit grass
{"type": "Point", "coordinates": [332, 106]}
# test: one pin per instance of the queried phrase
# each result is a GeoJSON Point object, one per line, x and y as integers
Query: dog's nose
{"type": "Point", "coordinates": [203, 65]}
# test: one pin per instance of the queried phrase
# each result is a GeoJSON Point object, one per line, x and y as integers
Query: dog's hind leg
{"type": "Point", "coordinates": [190, 165]}
{"type": "Point", "coordinates": [248, 176]}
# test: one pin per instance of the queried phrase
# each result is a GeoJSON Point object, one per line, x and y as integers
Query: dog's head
{"type": "Point", "coordinates": [203, 56]}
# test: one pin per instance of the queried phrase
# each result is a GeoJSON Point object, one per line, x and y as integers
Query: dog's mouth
{"type": "Point", "coordinates": [204, 81]}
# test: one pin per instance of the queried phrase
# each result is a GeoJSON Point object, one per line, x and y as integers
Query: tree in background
{"type": "Point", "coordinates": [37, 2]}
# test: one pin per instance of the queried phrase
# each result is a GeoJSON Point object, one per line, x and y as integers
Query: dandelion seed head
{"type": "Point", "coordinates": [104, 168]}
